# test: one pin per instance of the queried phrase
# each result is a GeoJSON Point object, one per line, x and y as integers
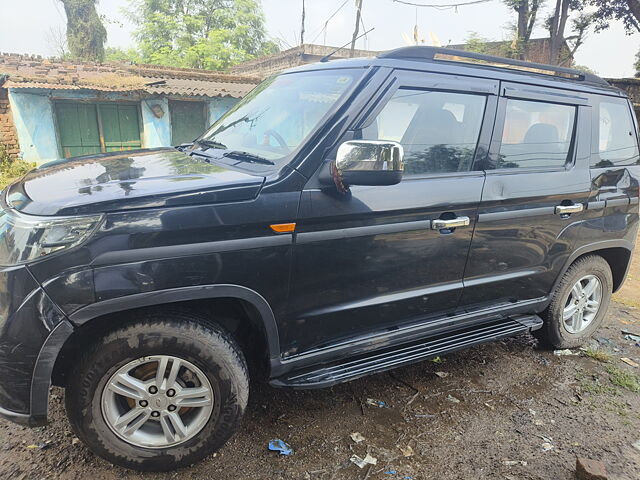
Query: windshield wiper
{"type": "Point", "coordinates": [247, 157]}
{"type": "Point", "coordinates": [211, 144]}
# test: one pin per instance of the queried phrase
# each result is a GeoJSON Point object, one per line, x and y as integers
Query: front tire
{"type": "Point", "coordinates": [578, 304]}
{"type": "Point", "coordinates": [159, 394]}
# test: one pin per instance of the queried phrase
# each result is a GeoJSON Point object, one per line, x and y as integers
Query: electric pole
{"type": "Point", "coordinates": [302, 28]}
{"type": "Point", "coordinates": [357, 27]}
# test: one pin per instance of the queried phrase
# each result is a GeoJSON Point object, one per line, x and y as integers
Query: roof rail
{"type": "Point", "coordinates": [437, 54]}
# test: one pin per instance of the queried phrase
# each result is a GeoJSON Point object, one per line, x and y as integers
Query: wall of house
{"type": "Point", "coordinates": [8, 134]}
{"type": "Point", "coordinates": [33, 120]}
{"type": "Point", "coordinates": [35, 125]}
{"type": "Point", "coordinates": [219, 106]}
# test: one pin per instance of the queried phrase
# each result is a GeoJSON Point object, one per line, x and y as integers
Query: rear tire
{"type": "Point", "coordinates": [585, 288]}
{"type": "Point", "coordinates": [119, 375]}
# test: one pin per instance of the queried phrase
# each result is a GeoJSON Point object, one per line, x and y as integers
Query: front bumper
{"type": "Point", "coordinates": [32, 330]}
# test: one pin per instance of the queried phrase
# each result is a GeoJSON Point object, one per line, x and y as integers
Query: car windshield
{"type": "Point", "coordinates": [278, 115]}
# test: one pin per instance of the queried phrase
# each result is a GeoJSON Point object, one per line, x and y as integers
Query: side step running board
{"type": "Point", "coordinates": [380, 361]}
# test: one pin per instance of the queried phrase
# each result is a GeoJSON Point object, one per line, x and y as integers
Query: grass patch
{"type": "Point", "coordinates": [598, 354]}
{"type": "Point", "coordinates": [624, 379]}
{"type": "Point", "coordinates": [11, 169]}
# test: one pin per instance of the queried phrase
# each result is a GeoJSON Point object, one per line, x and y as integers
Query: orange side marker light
{"type": "Point", "coordinates": [283, 227]}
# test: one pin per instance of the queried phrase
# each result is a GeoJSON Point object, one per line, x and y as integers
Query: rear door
{"type": "Point", "coordinates": [381, 257]}
{"type": "Point", "coordinates": [534, 199]}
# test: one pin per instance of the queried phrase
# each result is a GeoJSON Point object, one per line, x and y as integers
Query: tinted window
{"type": "Point", "coordinates": [438, 130]}
{"type": "Point", "coordinates": [536, 134]}
{"type": "Point", "coordinates": [617, 144]}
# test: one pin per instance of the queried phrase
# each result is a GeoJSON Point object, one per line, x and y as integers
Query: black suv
{"type": "Point", "coordinates": [345, 218]}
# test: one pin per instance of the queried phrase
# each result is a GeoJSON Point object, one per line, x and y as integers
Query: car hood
{"type": "Point", "coordinates": [128, 180]}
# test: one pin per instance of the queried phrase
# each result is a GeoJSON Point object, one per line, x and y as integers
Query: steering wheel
{"type": "Point", "coordinates": [279, 139]}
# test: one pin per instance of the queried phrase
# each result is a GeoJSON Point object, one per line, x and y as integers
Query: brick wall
{"type": "Point", "coordinates": [8, 134]}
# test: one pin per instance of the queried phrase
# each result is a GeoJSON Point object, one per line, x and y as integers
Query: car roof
{"type": "Point", "coordinates": [458, 62]}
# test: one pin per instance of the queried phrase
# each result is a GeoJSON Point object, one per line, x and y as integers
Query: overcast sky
{"type": "Point", "coordinates": [610, 53]}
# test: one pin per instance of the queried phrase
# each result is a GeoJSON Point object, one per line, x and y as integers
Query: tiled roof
{"type": "Point", "coordinates": [25, 71]}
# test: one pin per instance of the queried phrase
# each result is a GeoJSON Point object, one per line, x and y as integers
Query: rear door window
{"type": "Point", "coordinates": [617, 143]}
{"type": "Point", "coordinates": [536, 134]}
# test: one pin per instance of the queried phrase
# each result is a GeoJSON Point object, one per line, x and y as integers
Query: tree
{"type": "Point", "coordinates": [211, 34]}
{"type": "Point", "coordinates": [626, 10]}
{"type": "Point", "coordinates": [527, 11]}
{"type": "Point", "coordinates": [85, 33]}
{"type": "Point", "coordinates": [557, 25]}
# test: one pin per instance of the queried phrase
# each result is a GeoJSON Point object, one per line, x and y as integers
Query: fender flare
{"type": "Point", "coordinates": [181, 294]}
{"type": "Point", "coordinates": [592, 247]}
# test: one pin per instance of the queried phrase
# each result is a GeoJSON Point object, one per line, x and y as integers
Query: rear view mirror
{"type": "Point", "coordinates": [369, 162]}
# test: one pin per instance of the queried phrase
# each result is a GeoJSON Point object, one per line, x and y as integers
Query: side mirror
{"type": "Point", "coordinates": [369, 162]}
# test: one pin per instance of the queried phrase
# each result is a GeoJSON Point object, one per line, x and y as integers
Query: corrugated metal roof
{"type": "Point", "coordinates": [34, 72]}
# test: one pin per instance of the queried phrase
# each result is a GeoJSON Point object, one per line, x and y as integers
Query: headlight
{"type": "Point", "coordinates": [24, 238]}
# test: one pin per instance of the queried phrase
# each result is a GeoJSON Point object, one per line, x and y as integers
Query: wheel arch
{"type": "Point", "coordinates": [100, 317]}
{"type": "Point", "coordinates": [617, 254]}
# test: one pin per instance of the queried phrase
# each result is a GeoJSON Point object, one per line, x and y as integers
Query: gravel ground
{"type": "Point", "coordinates": [501, 411]}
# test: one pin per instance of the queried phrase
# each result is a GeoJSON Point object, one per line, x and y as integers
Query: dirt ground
{"type": "Point", "coordinates": [501, 411]}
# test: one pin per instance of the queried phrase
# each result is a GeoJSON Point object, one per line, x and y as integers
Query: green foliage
{"type": "Point", "coordinates": [636, 64]}
{"type": "Point", "coordinates": [86, 34]}
{"type": "Point", "coordinates": [627, 11]}
{"type": "Point", "coordinates": [476, 43]}
{"type": "Point", "coordinates": [624, 379]}
{"type": "Point", "coordinates": [598, 354]}
{"type": "Point", "coordinates": [11, 169]}
{"type": "Point", "coordinates": [210, 34]}
{"type": "Point", "coordinates": [113, 54]}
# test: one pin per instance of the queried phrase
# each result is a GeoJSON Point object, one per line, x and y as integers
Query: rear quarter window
{"type": "Point", "coordinates": [617, 143]}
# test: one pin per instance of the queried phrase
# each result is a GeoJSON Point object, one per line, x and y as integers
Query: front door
{"type": "Point", "coordinates": [534, 199]}
{"type": "Point", "coordinates": [380, 257]}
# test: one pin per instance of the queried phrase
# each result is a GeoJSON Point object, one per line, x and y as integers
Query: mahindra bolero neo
{"type": "Point", "coordinates": [344, 218]}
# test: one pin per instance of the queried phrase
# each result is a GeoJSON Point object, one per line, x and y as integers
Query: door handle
{"type": "Point", "coordinates": [568, 209]}
{"type": "Point", "coordinates": [440, 224]}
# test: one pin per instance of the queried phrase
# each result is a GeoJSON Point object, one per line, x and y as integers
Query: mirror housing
{"type": "Point", "coordinates": [368, 162]}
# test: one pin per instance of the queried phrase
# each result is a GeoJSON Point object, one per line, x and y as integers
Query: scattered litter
{"type": "Point", "coordinates": [424, 415]}
{"type": "Point", "coordinates": [512, 463]}
{"type": "Point", "coordinates": [437, 360]}
{"type": "Point", "coordinates": [546, 446]}
{"type": "Point", "coordinates": [75, 441]}
{"type": "Point", "coordinates": [453, 399]}
{"type": "Point", "coordinates": [357, 437]}
{"type": "Point", "coordinates": [628, 361]}
{"type": "Point", "coordinates": [564, 353]}
{"type": "Point", "coordinates": [489, 406]}
{"type": "Point", "coordinates": [532, 412]}
{"type": "Point", "coordinates": [376, 403]}
{"type": "Point", "coordinates": [636, 445]}
{"type": "Point", "coordinates": [278, 445]}
{"type": "Point", "coordinates": [406, 451]}
{"type": "Point", "coordinates": [537, 422]}
{"type": "Point", "coordinates": [390, 472]}
{"type": "Point", "coordinates": [39, 446]}
{"type": "Point", "coordinates": [629, 335]}
{"type": "Point", "coordinates": [442, 374]}
{"type": "Point", "coordinates": [363, 462]}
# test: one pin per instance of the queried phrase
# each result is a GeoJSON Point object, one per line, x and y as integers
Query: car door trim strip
{"type": "Point", "coordinates": [352, 232]}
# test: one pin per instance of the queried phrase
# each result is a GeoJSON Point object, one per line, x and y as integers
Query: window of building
{"type": "Point", "coordinates": [617, 143]}
{"type": "Point", "coordinates": [86, 128]}
{"type": "Point", "coordinates": [536, 134]}
{"type": "Point", "coordinates": [438, 130]}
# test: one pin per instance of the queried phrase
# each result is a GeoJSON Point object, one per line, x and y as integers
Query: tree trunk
{"type": "Point", "coordinates": [634, 7]}
{"type": "Point", "coordinates": [557, 28]}
{"type": "Point", "coordinates": [85, 33]}
{"type": "Point", "coordinates": [357, 28]}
